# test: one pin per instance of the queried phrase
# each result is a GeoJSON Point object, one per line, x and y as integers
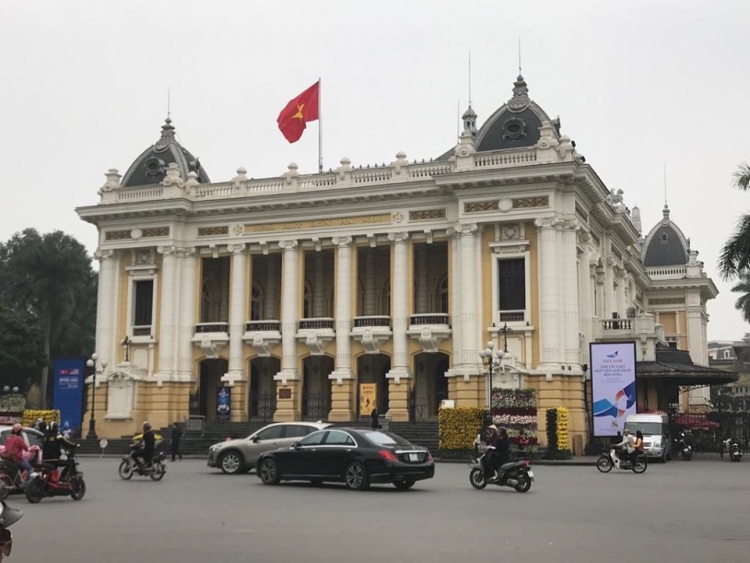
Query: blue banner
{"type": "Point", "coordinates": [68, 392]}
{"type": "Point", "coordinates": [223, 403]}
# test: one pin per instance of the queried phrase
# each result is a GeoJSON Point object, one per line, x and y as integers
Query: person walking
{"type": "Point", "coordinates": [176, 438]}
{"type": "Point", "coordinates": [374, 419]}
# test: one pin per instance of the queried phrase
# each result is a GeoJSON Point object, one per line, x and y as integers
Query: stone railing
{"type": "Point", "coordinates": [144, 330]}
{"type": "Point", "coordinates": [428, 319]}
{"type": "Point", "coordinates": [267, 326]}
{"type": "Point", "coordinates": [372, 320]}
{"type": "Point", "coordinates": [202, 328]}
{"type": "Point", "coordinates": [512, 316]}
{"type": "Point", "coordinates": [322, 323]}
{"type": "Point", "coordinates": [617, 324]}
{"type": "Point", "coordinates": [345, 176]}
{"type": "Point", "coordinates": [666, 272]}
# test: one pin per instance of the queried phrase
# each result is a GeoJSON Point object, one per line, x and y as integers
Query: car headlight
{"type": "Point", "coordinates": [657, 442]}
{"type": "Point", "coordinates": [214, 447]}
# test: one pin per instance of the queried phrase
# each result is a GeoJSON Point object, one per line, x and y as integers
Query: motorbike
{"type": "Point", "coordinates": [686, 450]}
{"type": "Point", "coordinates": [514, 474]}
{"type": "Point", "coordinates": [733, 448]}
{"type": "Point", "coordinates": [51, 480]}
{"type": "Point", "coordinates": [607, 461]}
{"type": "Point", "coordinates": [10, 474]}
{"type": "Point", "coordinates": [131, 465]}
{"type": "Point", "coordinates": [8, 517]}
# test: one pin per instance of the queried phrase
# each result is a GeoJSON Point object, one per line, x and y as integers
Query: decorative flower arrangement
{"type": "Point", "coordinates": [558, 437]}
{"type": "Point", "coordinates": [31, 416]}
{"type": "Point", "coordinates": [14, 403]}
{"type": "Point", "coordinates": [552, 430]}
{"type": "Point", "coordinates": [563, 438]}
{"type": "Point", "coordinates": [516, 399]}
{"type": "Point", "coordinates": [459, 427]}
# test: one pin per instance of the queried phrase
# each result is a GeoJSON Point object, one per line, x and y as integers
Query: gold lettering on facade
{"type": "Point", "coordinates": [317, 224]}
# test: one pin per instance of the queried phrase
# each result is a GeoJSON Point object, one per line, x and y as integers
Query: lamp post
{"type": "Point", "coordinates": [126, 346]}
{"type": "Point", "coordinates": [584, 379]}
{"type": "Point", "coordinates": [490, 360]}
{"type": "Point", "coordinates": [91, 364]}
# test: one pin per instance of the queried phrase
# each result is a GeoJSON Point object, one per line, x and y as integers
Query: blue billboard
{"type": "Point", "coordinates": [68, 391]}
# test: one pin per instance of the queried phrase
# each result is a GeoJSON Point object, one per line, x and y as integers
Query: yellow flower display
{"type": "Point", "coordinates": [563, 437]}
{"type": "Point", "coordinates": [31, 416]}
{"type": "Point", "coordinates": [459, 427]}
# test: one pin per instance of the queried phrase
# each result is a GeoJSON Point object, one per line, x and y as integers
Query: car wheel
{"type": "Point", "coordinates": [404, 485]}
{"type": "Point", "coordinates": [355, 476]}
{"type": "Point", "coordinates": [231, 463]}
{"type": "Point", "coordinates": [269, 472]}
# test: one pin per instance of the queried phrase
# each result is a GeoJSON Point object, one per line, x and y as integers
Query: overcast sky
{"type": "Point", "coordinates": [636, 84]}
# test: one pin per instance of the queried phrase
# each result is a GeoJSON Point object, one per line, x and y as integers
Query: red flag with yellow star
{"type": "Point", "coordinates": [294, 117]}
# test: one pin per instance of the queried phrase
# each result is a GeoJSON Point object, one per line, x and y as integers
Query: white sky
{"type": "Point", "coordinates": [636, 84]}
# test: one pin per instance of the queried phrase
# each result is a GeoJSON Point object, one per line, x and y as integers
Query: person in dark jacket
{"type": "Point", "coordinates": [175, 444]}
{"type": "Point", "coordinates": [146, 445]}
{"type": "Point", "coordinates": [374, 419]}
{"type": "Point", "coordinates": [52, 450]}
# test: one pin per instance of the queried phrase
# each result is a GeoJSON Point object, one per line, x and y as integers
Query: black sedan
{"type": "Point", "coordinates": [353, 456]}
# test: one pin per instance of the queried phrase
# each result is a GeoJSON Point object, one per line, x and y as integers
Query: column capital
{"type": "Point", "coordinates": [342, 241]}
{"type": "Point", "coordinates": [287, 245]}
{"type": "Point", "coordinates": [548, 222]}
{"type": "Point", "coordinates": [170, 250]}
{"type": "Point", "coordinates": [186, 252]}
{"type": "Point", "coordinates": [468, 229]}
{"type": "Point", "coordinates": [570, 224]}
{"type": "Point", "coordinates": [103, 254]}
{"type": "Point", "coordinates": [236, 248]}
{"type": "Point", "coordinates": [398, 237]}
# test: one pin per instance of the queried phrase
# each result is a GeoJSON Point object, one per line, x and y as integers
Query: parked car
{"type": "Point", "coordinates": [32, 436]}
{"type": "Point", "coordinates": [241, 455]}
{"type": "Point", "coordinates": [355, 457]}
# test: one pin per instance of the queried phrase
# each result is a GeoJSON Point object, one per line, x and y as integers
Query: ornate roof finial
{"type": "Point", "coordinates": [167, 134]}
{"type": "Point", "coordinates": [520, 99]}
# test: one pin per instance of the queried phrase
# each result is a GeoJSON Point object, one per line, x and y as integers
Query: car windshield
{"type": "Point", "coordinates": [385, 439]}
{"type": "Point", "coordinates": [647, 428]}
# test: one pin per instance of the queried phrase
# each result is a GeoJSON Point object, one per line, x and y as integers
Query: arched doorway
{"type": "Point", "coordinates": [203, 398]}
{"type": "Point", "coordinates": [372, 368]}
{"type": "Point", "coordinates": [316, 387]}
{"type": "Point", "coordinates": [430, 383]}
{"type": "Point", "coordinates": [262, 388]}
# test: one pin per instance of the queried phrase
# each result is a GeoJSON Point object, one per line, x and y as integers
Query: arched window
{"type": "Point", "coordinates": [257, 309]}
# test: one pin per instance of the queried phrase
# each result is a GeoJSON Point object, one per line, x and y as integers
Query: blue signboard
{"type": "Point", "coordinates": [68, 392]}
{"type": "Point", "coordinates": [223, 403]}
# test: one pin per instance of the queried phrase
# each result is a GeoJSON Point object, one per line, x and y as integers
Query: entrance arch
{"type": "Point", "coordinates": [262, 388]}
{"type": "Point", "coordinates": [372, 368]}
{"type": "Point", "coordinates": [203, 398]}
{"type": "Point", "coordinates": [316, 387]}
{"type": "Point", "coordinates": [430, 383]}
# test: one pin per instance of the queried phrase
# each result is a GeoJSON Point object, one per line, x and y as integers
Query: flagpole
{"type": "Point", "coordinates": [320, 127]}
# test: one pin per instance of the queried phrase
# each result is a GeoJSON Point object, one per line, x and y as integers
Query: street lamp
{"type": "Point", "coordinates": [126, 346]}
{"type": "Point", "coordinates": [491, 360]}
{"type": "Point", "coordinates": [91, 364]}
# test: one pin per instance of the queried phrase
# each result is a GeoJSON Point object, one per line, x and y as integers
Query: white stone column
{"type": "Point", "coordinates": [399, 306]}
{"type": "Point", "coordinates": [106, 305]}
{"type": "Point", "coordinates": [469, 336]}
{"type": "Point", "coordinates": [343, 313]}
{"type": "Point", "coordinates": [272, 284]}
{"type": "Point", "coordinates": [167, 314]}
{"type": "Point", "coordinates": [585, 296]}
{"type": "Point", "coordinates": [185, 368]}
{"type": "Point", "coordinates": [237, 314]}
{"type": "Point", "coordinates": [609, 289]}
{"type": "Point", "coordinates": [455, 298]}
{"type": "Point", "coordinates": [549, 294]}
{"type": "Point", "coordinates": [620, 292]}
{"type": "Point", "coordinates": [289, 310]}
{"type": "Point", "coordinates": [571, 323]}
{"type": "Point", "coordinates": [319, 292]}
{"type": "Point", "coordinates": [369, 283]}
{"type": "Point", "coordinates": [420, 272]}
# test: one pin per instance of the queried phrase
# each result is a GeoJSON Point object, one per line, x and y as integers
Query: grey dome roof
{"type": "Point", "coordinates": [665, 245]}
{"type": "Point", "coordinates": [151, 166]}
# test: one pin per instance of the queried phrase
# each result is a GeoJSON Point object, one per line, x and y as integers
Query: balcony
{"type": "Point", "coordinates": [142, 334]}
{"type": "Point", "coordinates": [511, 316]}
{"type": "Point", "coordinates": [430, 329]}
{"type": "Point", "coordinates": [372, 332]}
{"type": "Point", "coordinates": [263, 335]}
{"type": "Point", "coordinates": [316, 334]}
{"type": "Point", "coordinates": [211, 338]}
{"type": "Point", "coordinates": [643, 329]}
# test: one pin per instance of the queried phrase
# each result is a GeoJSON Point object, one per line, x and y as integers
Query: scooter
{"type": "Point", "coordinates": [130, 466]}
{"type": "Point", "coordinates": [515, 474]}
{"type": "Point", "coordinates": [8, 517]}
{"type": "Point", "coordinates": [686, 450]}
{"type": "Point", "coordinates": [10, 474]}
{"type": "Point", "coordinates": [734, 449]}
{"type": "Point", "coordinates": [607, 461]}
{"type": "Point", "coordinates": [49, 481]}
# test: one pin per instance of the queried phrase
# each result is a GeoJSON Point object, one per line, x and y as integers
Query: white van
{"type": "Point", "coordinates": [657, 442]}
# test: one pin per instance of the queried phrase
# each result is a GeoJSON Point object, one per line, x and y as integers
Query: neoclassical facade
{"type": "Point", "coordinates": [316, 296]}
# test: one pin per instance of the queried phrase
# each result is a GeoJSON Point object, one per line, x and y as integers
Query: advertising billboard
{"type": "Point", "coordinates": [68, 391]}
{"type": "Point", "coordinates": [613, 385]}
{"type": "Point", "coordinates": [223, 403]}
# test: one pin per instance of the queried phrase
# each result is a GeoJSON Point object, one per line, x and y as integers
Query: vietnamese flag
{"type": "Point", "coordinates": [294, 117]}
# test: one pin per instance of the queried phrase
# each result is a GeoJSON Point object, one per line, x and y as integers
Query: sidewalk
{"type": "Point", "coordinates": [578, 461]}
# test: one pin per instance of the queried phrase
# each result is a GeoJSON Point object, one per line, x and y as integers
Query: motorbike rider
{"type": "Point", "coordinates": [626, 446]}
{"type": "Point", "coordinates": [15, 446]}
{"type": "Point", "coordinates": [492, 440]}
{"type": "Point", "coordinates": [145, 446]}
{"type": "Point", "coordinates": [54, 442]}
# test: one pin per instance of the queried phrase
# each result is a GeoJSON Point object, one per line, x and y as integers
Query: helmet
{"type": "Point", "coordinates": [147, 425]}
{"type": "Point", "coordinates": [53, 427]}
{"type": "Point", "coordinates": [493, 426]}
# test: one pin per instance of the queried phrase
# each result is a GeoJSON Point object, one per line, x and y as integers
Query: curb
{"type": "Point", "coordinates": [548, 462]}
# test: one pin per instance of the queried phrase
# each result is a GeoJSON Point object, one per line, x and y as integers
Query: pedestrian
{"type": "Point", "coordinates": [374, 418]}
{"type": "Point", "coordinates": [176, 437]}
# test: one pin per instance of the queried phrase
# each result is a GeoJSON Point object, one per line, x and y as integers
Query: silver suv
{"type": "Point", "coordinates": [241, 455]}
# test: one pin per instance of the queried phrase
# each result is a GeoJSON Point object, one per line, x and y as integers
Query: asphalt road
{"type": "Point", "coordinates": [682, 511]}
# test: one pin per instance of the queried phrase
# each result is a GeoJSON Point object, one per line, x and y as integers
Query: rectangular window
{"type": "Point", "coordinates": [144, 302]}
{"type": "Point", "coordinates": [512, 284]}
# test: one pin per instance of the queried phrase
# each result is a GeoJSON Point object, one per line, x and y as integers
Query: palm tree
{"type": "Point", "coordinates": [735, 256]}
{"type": "Point", "coordinates": [743, 301]}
